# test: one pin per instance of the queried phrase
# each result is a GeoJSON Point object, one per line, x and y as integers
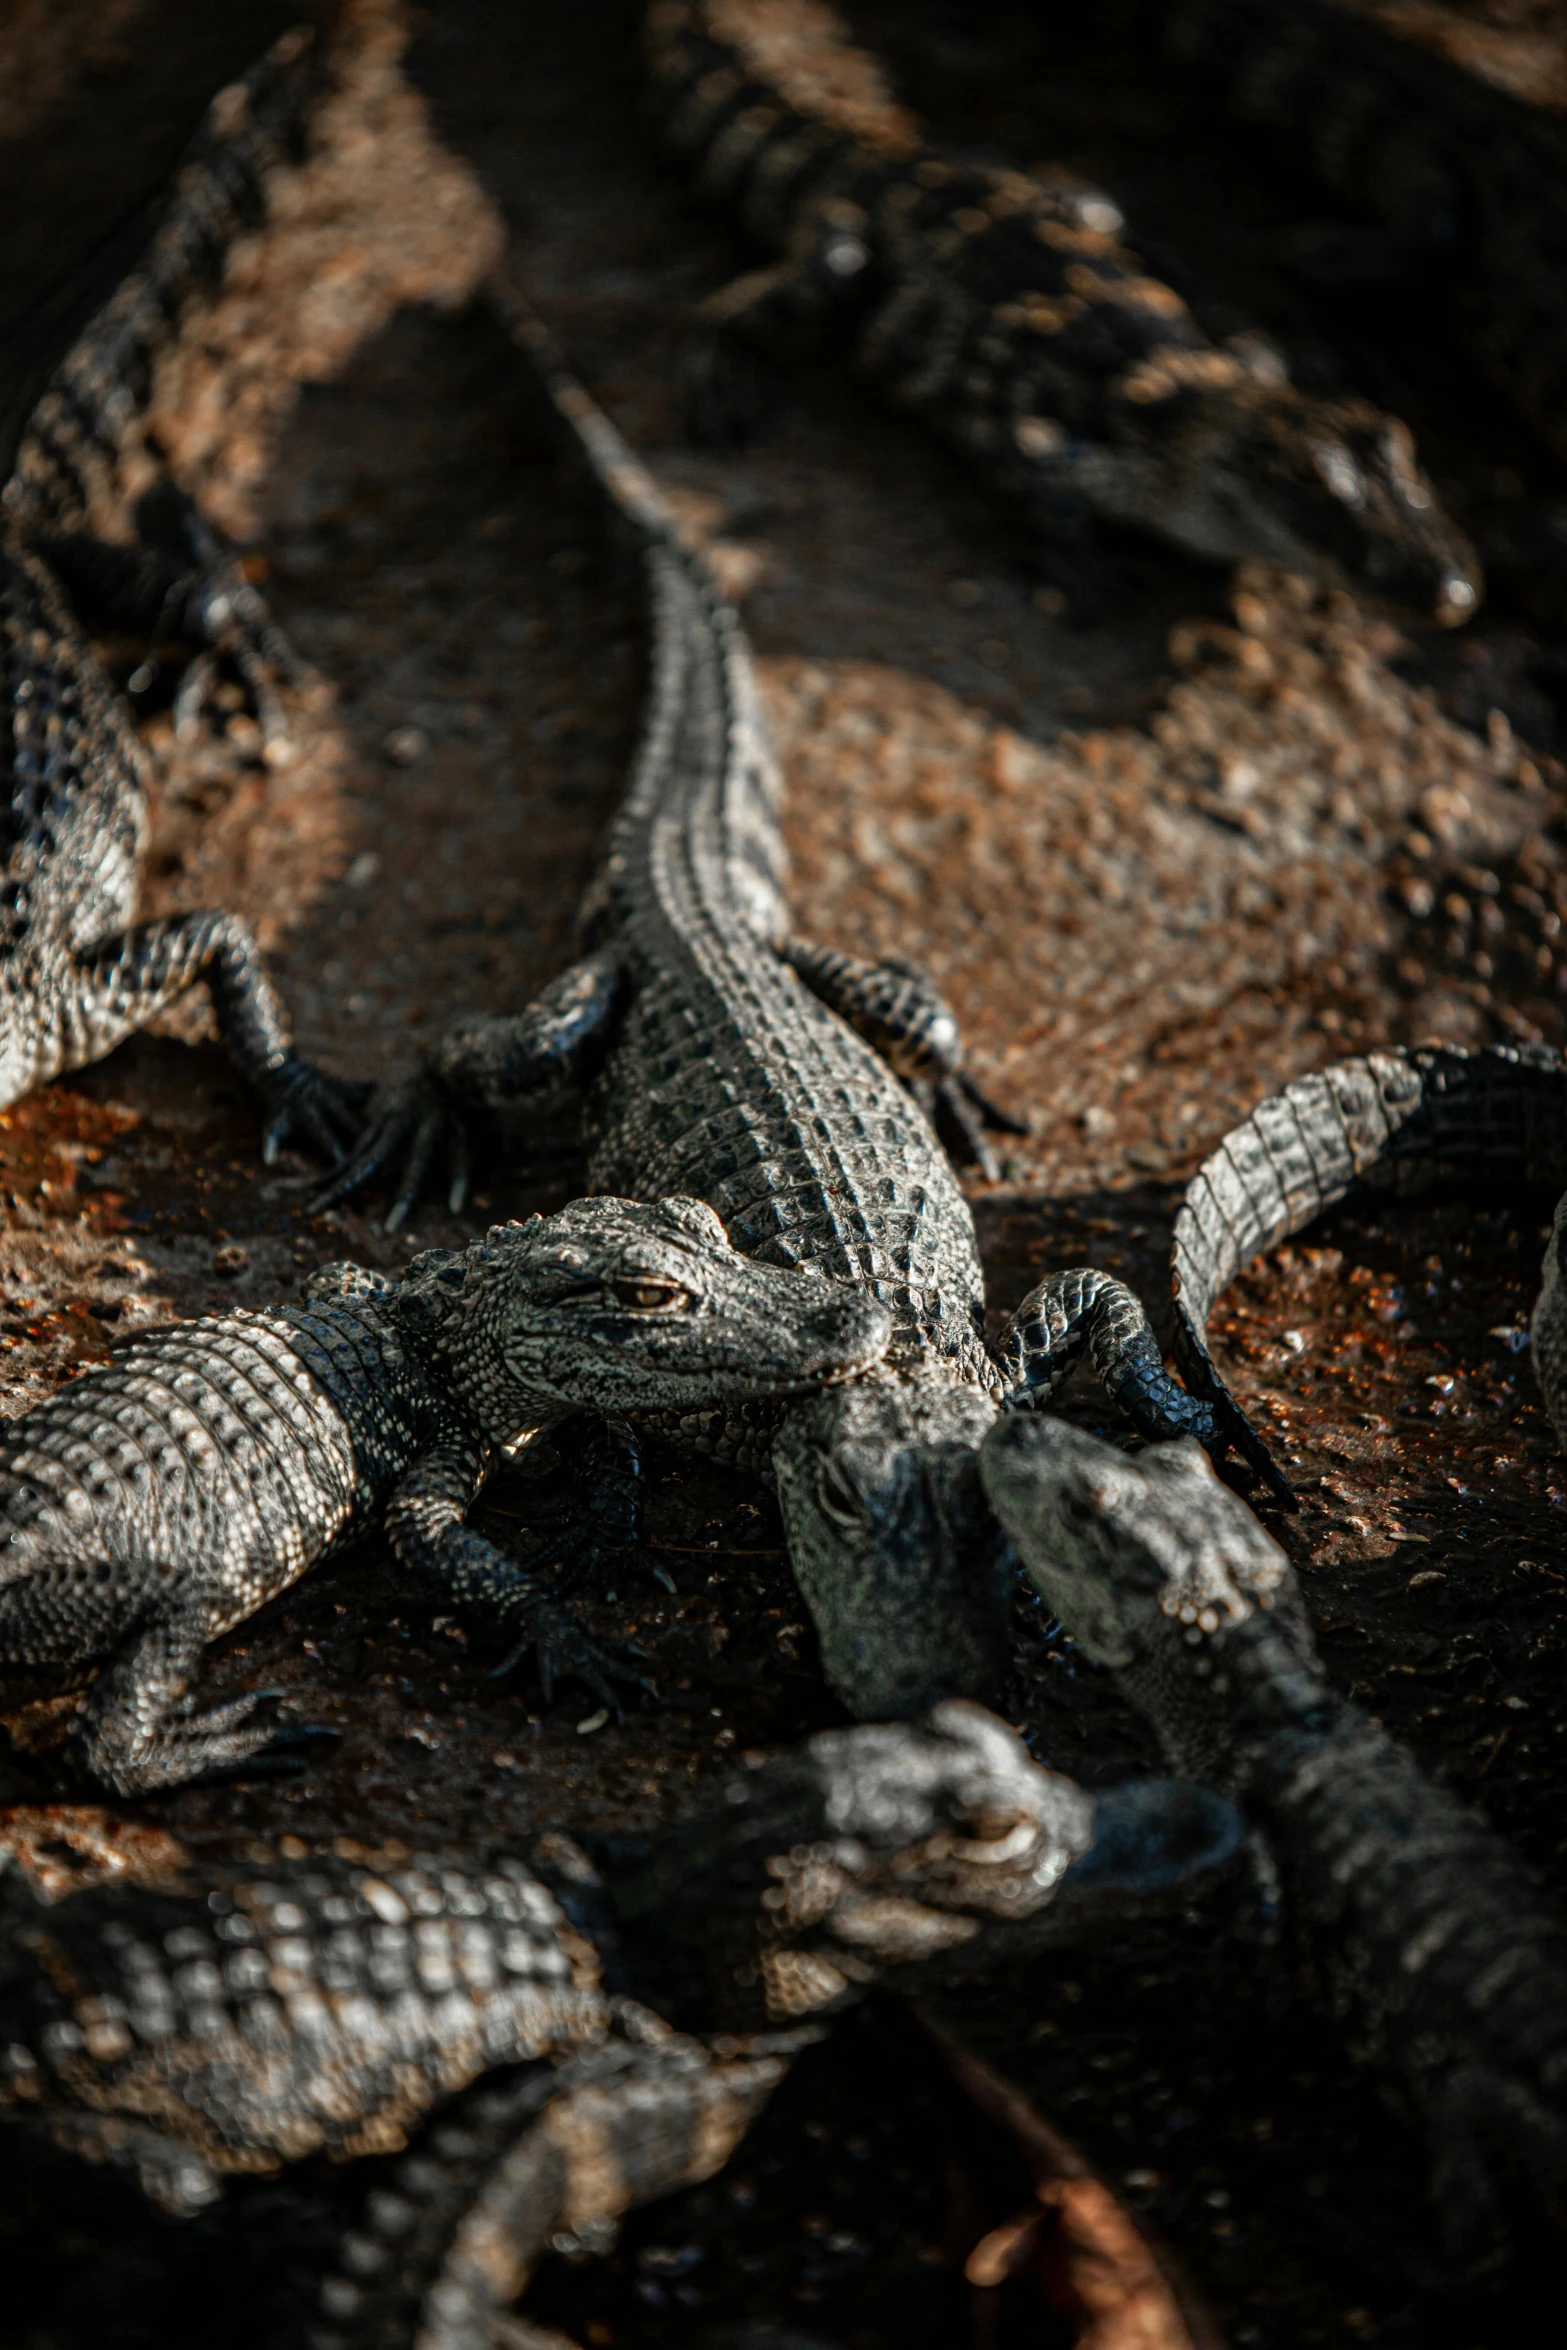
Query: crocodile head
{"type": "Point", "coordinates": [1159, 1571]}
{"type": "Point", "coordinates": [1256, 469]}
{"type": "Point", "coordinates": [893, 1543]}
{"type": "Point", "coordinates": [624, 1305]}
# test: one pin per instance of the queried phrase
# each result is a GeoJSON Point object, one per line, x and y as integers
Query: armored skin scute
{"type": "Point", "coordinates": [1452, 182]}
{"type": "Point", "coordinates": [1394, 1121]}
{"type": "Point", "coordinates": [152, 1504]}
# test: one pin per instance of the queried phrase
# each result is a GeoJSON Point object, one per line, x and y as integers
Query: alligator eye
{"type": "Point", "coordinates": [840, 1498]}
{"type": "Point", "coordinates": [652, 1297]}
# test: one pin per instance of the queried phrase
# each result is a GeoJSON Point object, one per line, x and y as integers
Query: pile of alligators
{"type": "Point", "coordinates": [775, 1268]}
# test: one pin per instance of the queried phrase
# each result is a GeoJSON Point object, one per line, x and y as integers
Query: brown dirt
{"type": "Point", "coordinates": [1166, 848]}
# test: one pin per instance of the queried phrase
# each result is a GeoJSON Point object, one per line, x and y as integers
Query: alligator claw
{"type": "Point", "coordinates": [962, 1113]}
{"type": "Point", "coordinates": [405, 1136]}
{"type": "Point", "coordinates": [991, 1113]}
{"type": "Point", "coordinates": [287, 1754]}
{"type": "Point", "coordinates": [565, 1650]}
{"type": "Point", "coordinates": [298, 1097]}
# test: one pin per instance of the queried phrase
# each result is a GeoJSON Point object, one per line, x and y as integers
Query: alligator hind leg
{"type": "Point", "coordinates": [137, 1731]}
{"type": "Point", "coordinates": [903, 1015]}
{"type": "Point", "coordinates": [122, 982]}
{"type": "Point", "coordinates": [1085, 1310]}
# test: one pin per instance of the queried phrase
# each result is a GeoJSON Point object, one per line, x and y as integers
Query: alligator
{"type": "Point", "coordinates": [78, 973]}
{"type": "Point", "coordinates": [1455, 188]}
{"type": "Point", "coordinates": [1003, 309]}
{"type": "Point", "coordinates": [193, 2019]}
{"type": "Point", "coordinates": [161, 1499]}
{"type": "Point", "coordinates": [1417, 1923]}
{"type": "Point", "coordinates": [724, 1058]}
{"type": "Point", "coordinates": [1398, 1121]}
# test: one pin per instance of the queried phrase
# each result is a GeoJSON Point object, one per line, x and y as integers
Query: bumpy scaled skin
{"type": "Point", "coordinates": [894, 1855]}
{"type": "Point", "coordinates": [543, 2161]}
{"type": "Point", "coordinates": [1007, 313]}
{"type": "Point", "coordinates": [191, 2020]}
{"type": "Point", "coordinates": [194, 2022]}
{"type": "Point", "coordinates": [1433, 1940]}
{"type": "Point", "coordinates": [59, 455]}
{"type": "Point", "coordinates": [899, 1854]}
{"type": "Point", "coordinates": [714, 1066]}
{"type": "Point", "coordinates": [77, 973]}
{"type": "Point", "coordinates": [1392, 1121]}
{"type": "Point", "coordinates": [1460, 185]}
{"type": "Point", "coordinates": [151, 1505]}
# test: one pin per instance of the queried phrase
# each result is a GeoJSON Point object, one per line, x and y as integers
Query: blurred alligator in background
{"type": "Point", "coordinates": [1002, 308]}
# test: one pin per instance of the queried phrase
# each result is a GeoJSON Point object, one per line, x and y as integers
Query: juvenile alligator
{"type": "Point", "coordinates": [724, 1058]}
{"type": "Point", "coordinates": [1007, 314]}
{"type": "Point", "coordinates": [197, 2019]}
{"type": "Point", "coordinates": [1460, 187]}
{"type": "Point", "coordinates": [153, 1504]}
{"type": "Point", "coordinates": [78, 974]}
{"type": "Point", "coordinates": [1388, 1121]}
{"type": "Point", "coordinates": [1418, 1924]}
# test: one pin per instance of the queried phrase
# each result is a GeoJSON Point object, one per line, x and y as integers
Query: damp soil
{"type": "Point", "coordinates": [1167, 838]}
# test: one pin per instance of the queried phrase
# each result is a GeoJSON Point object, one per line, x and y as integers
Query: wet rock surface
{"type": "Point", "coordinates": [1166, 843]}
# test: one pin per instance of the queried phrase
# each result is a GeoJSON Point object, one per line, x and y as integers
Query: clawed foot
{"type": "Point", "coordinates": [196, 706]}
{"type": "Point", "coordinates": [301, 1101]}
{"type": "Point", "coordinates": [565, 1651]}
{"type": "Point", "coordinates": [408, 1134]}
{"type": "Point", "coordinates": [604, 1538]}
{"type": "Point", "coordinates": [1241, 1456]}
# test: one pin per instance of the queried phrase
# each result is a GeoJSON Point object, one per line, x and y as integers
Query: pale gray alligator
{"type": "Point", "coordinates": [152, 1504]}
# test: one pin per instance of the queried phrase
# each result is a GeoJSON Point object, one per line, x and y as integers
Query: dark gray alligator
{"type": "Point", "coordinates": [196, 2019]}
{"type": "Point", "coordinates": [1007, 314]}
{"type": "Point", "coordinates": [1391, 1121]}
{"type": "Point", "coordinates": [724, 1058]}
{"type": "Point", "coordinates": [1450, 186]}
{"type": "Point", "coordinates": [78, 974]}
{"type": "Point", "coordinates": [1428, 1936]}
{"type": "Point", "coordinates": [152, 1504]}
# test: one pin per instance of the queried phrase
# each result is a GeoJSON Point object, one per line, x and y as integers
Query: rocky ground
{"type": "Point", "coordinates": [1167, 841]}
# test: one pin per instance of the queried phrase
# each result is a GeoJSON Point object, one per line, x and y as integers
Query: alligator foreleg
{"type": "Point", "coordinates": [500, 1062]}
{"type": "Point", "coordinates": [424, 1520]}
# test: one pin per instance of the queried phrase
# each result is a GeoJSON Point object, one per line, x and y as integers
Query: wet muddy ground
{"type": "Point", "coordinates": [1167, 839]}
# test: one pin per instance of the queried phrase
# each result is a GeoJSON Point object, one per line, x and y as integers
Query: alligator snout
{"type": "Point", "coordinates": [840, 1335]}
